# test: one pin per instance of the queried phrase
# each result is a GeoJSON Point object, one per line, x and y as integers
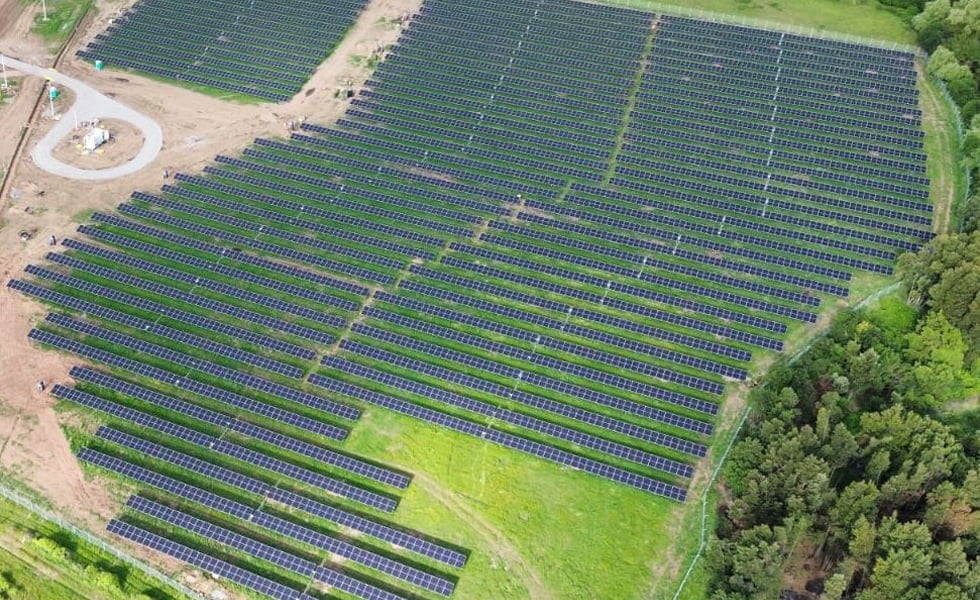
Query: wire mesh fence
{"type": "Point", "coordinates": [88, 538]}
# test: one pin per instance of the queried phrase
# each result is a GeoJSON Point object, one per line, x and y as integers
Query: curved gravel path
{"type": "Point", "coordinates": [89, 104]}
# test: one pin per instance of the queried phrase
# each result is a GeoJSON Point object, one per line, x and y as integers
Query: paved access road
{"type": "Point", "coordinates": [90, 104]}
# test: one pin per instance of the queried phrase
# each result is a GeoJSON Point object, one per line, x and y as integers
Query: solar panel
{"type": "Point", "coordinates": [319, 453]}
{"type": "Point", "coordinates": [213, 393]}
{"type": "Point", "coordinates": [257, 383]}
{"type": "Point", "coordinates": [210, 564]}
{"type": "Point", "coordinates": [551, 453]}
{"type": "Point", "coordinates": [405, 539]}
{"type": "Point", "coordinates": [269, 553]}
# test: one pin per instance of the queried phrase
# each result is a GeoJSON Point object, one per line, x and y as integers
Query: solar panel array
{"type": "Point", "coordinates": [261, 48]}
{"type": "Point", "coordinates": [563, 228]}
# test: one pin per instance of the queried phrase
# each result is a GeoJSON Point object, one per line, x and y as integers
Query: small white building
{"type": "Point", "coordinates": [95, 138]}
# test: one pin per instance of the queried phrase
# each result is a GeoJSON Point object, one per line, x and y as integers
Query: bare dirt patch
{"type": "Point", "coordinates": [124, 144]}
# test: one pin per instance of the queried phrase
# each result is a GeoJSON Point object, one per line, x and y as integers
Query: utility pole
{"type": "Point", "coordinates": [44, 8]}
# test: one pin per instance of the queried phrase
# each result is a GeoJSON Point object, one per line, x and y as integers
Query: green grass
{"type": "Point", "coordinates": [583, 537]}
{"type": "Point", "coordinates": [948, 181]}
{"type": "Point", "coordinates": [63, 16]}
{"type": "Point", "coordinates": [37, 575]}
{"type": "Point", "coordinates": [866, 18]}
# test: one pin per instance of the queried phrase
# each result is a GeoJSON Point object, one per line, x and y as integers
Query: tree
{"type": "Point", "coordinates": [834, 587]}
{"type": "Point", "coordinates": [756, 563]}
{"type": "Point", "coordinates": [944, 65]}
{"type": "Point", "coordinates": [936, 350]}
{"type": "Point", "coordinates": [859, 500]}
{"type": "Point", "coordinates": [930, 25]}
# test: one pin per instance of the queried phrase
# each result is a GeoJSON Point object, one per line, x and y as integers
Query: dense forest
{"type": "Point", "coordinates": [858, 460]}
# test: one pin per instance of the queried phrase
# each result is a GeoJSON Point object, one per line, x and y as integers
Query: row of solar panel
{"type": "Point", "coordinates": [895, 136]}
{"type": "Point", "coordinates": [813, 44]}
{"type": "Point", "coordinates": [201, 35]}
{"type": "Point", "coordinates": [661, 73]}
{"type": "Point", "coordinates": [325, 455]}
{"type": "Point", "coordinates": [762, 202]}
{"type": "Point", "coordinates": [446, 171]}
{"type": "Point", "coordinates": [870, 200]}
{"type": "Point", "coordinates": [803, 107]}
{"type": "Point", "coordinates": [803, 284]}
{"type": "Point", "coordinates": [664, 78]}
{"type": "Point", "coordinates": [344, 140]}
{"type": "Point", "coordinates": [794, 58]}
{"type": "Point", "coordinates": [148, 307]}
{"type": "Point", "coordinates": [271, 217]}
{"type": "Point", "coordinates": [172, 74]}
{"type": "Point", "coordinates": [529, 54]}
{"type": "Point", "coordinates": [378, 170]}
{"type": "Point", "coordinates": [446, 83]}
{"type": "Point", "coordinates": [94, 310]}
{"type": "Point", "coordinates": [300, 18]}
{"type": "Point", "coordinates": [223, 69]}
{"type": "Point", "coordinates": [564, 72]}
{"type": "Point", "coordinates": [247, 579]}
{"type": "Point", "coordinates": [356, 144]}
{"type": "Point", "coordinates": [473, 342]}
{"type": "Point", "coordinates": [678, 238]}
{"type": "Point", "coordinates": [829, 169]}
{"type": "Point", "coordinates": [767, 207]}
{"type": "Point", "coordinates": [253, 382]}
{"type": "Point", "coordinates": [411, 541]}
{"type": "Point", "coordinates": [509, 440]}
{"type": "Point", "coordinates": [216, 394]}
{"type": "Point", "coordinates": [200, 39]}
{"type": "Point", "coordinates": [149, 233]}
{"type": "Point", "coordinates": [560, 408]}
{"type": "Point", "coordinates": [226, 289]}
{"type": "Point", "coordinates": [337, 217]}
{"type": "Point", "coordinates": [667, 52]}
{"type": "Point", "coordinates": [819, 48]}
{"type": "Point", "coordinates": [729, 212]}
{"type": "Point", "coordinates": [486, 135]}
{"type": "Point", "coordinates": [272, 554]}
{"type": "Point", "coordinates": [229, 254]}
{"type": "Point", "coordinates": [718, 230]}
{"type": "Point", "coordinates": [590, 18]}
{"type": "Point", "coordinates": [148, 42]}
{"type": "Point", "coordinates": [596, 298]}
{"type": "Point", "coordinates": [435, 113]}
{"type": "Point", "coordinates": [361, 206]}
{"type": "Point", "coordinates": [430, 196]}
{"type": "Point", "coordinates": [193, 299]}
{"type": "Point", "coordinates": [679, 298]}
{"type": "Point", "coordinates": [224, 22]}
{"type": "Point", "coordinates": [637, 270]}
{"type": "Point", "coordinates": [315, 479]}
{"type": "Point", "coordinates": [120, 56]}
{"type": "Point", "coordinates": [621, 44]}
{"type": "Point", "coordinates": [252, 242]}
{"type": "Point", "coordinates": [496, 413]}
{"type": "Point", "coordinates": [566, 312]}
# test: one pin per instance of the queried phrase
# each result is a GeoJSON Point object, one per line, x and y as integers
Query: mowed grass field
{"type": "Point", "coordinates": [866, 18]}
